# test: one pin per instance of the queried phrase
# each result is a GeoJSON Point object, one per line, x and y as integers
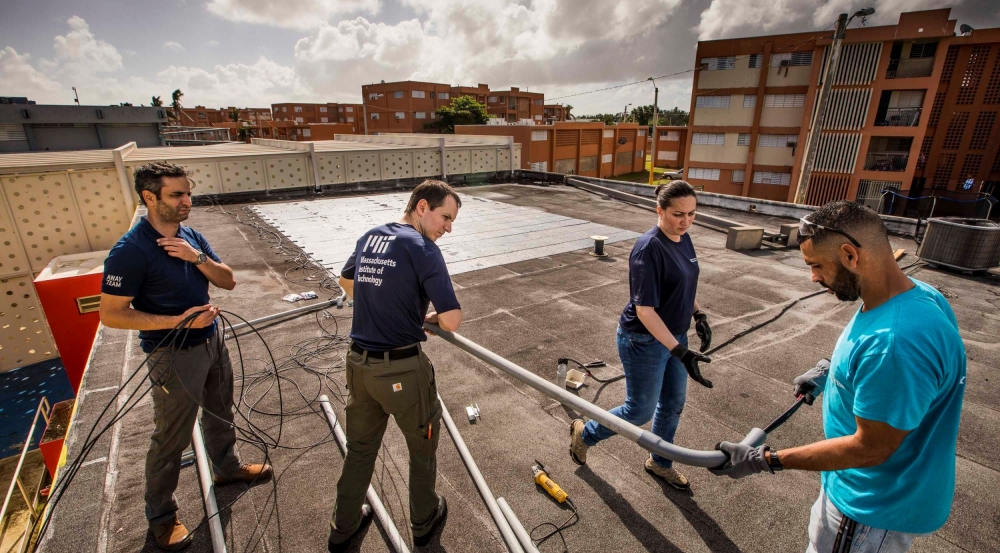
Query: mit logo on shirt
{"type": "Point", "coordinates": [378, 244]}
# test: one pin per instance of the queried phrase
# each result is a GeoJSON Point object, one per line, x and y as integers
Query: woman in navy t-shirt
{"type": "Point", "coordinates": [652, 331]}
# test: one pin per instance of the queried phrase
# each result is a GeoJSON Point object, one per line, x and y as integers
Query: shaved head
{"type": "Point", "coordinates": [861, 222]}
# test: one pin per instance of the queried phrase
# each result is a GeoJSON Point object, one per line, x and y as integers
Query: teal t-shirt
{"type": "Point", "coordinates": [902, 363]}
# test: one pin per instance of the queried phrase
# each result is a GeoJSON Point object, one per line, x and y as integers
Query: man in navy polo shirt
{"type": "Point", "coordinates": [155, 278]}
{"type": "Point", "coordinates": [395, 271]}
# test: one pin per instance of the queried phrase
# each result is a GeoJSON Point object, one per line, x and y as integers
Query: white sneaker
{"type": "Point", "coordinates": [577, 447]}
{"type": "Point", "coordinates": [672, 477]}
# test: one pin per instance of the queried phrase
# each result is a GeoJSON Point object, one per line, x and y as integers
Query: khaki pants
{"type": "Point", "coordinates": [201, 374]}
{"type": "Point", "coordinates": [377, 388]}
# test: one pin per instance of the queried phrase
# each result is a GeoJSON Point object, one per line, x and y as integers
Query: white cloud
{"type": "Point", "coordinates": [303, 14]}
{"type": "Point", "coordinates": [212, 43]}
{"type": "Point", "coordinates": [15, 68]}
{"type": "Point", "coordinates": [81, 49]}
{"type": "Point", "coordinates": [259, 85]}
{"type": "Point", "coordinates": [173, 46]}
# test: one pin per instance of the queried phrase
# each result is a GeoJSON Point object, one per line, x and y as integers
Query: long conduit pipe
{"type": "Point", "coordinates": [290, 313]}
{"type": "Point", "coordinates": [484, 490]}
{"type": "Point", "coordinates": [522, 536]}
{"type": "Point", "coordinates": [647, 440]}
{"type": "Point", "coordinates": [373, 500]}
{"type": "Point", "coordinates": [208, 489]}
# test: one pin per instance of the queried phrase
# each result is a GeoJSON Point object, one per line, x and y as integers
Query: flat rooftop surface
{"type": "Point", "coordinates": [531, 312]}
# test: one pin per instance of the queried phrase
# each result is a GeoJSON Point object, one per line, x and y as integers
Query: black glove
{"type": "Point", "coordinates": [812, 382]}
{"type": "Point", "coordinates": [704, 331]}
{"type": "Point", "coordinates": [743, 460]}
{"type": "Point", "coordinates": [690, 360]}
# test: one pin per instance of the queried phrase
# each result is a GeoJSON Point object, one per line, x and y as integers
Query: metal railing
{"type": "Point", "coordinates": [909, 68]}
{"type": "Point", "coordinates": [886, 161]}
{"type": "Point", "coordinates": [900, 117]}
{"type": "Point", "coordinates": [30, 500]}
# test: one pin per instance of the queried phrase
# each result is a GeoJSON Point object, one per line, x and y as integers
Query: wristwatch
{"type": "Point", "coordinates": [201, 258]}
{"type": "Point", "coordinates": [774, 464]}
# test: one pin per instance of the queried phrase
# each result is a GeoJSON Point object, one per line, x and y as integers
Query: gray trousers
{"type": "Point", "coordinates": [824, 524]}
{"type": "Point", "coordinates": [200, 374]}
{"type": "Point", "coordinates": [377, 388]}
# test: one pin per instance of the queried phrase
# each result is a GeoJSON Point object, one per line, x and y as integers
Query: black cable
{"type": "Point", "coordinates": [758, 326]}
{"type": "Point", "coordinates": [557, 529]}
{"type": "Point", "coordinates": [585, 367]}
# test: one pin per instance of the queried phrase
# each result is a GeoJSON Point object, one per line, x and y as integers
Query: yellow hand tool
{"type": "Point", "coordinates": [543, 480]}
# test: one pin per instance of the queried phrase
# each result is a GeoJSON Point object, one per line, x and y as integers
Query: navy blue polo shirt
{"type": "Point", "coordinates": [158, 284]}
{"type": "Point", "coordinates": [396, 272]}
{"type": "Point", "coordinates": [662, 274]}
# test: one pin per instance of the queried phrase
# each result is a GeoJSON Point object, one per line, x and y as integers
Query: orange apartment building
{"type": "Point", "coordinates": [200, 116]}
{"type": "Point", "coordinates": [407, 106]}
{"type": "Point", "coordinates": [586, 149]}
{"type": "Point", "coordinates": [671, 144]}
{"type": "Point", "coordinates": [513, 105]}
{"type": "Point", "coordinates": [552, 113]}
{"type": "Point", "coordinates": [331, 112]}
{"type": "Point", "coordinates": [753, 100]}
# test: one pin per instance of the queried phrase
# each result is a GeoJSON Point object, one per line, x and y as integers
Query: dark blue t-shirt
{"type": "Point", "coordinates": [662, 274]}
{"type": "Point", "coordinates": [158, 284]}
{"type": "Point", "coordinates": [396, 272]}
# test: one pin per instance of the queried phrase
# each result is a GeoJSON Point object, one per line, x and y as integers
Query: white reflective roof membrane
{"type": "Point", "coordinates": [485, 234]}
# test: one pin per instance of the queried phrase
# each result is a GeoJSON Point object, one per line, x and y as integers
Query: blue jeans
{"type": "Point", "coordinates": [655, 388]}
{"type": "Point", "coordinates": [825, 522]}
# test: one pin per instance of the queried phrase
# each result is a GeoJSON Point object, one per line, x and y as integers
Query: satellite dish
{"type": "Point", "coordinates": [965, 29]}
{"type": "Point", "coordinates": [622, 140]}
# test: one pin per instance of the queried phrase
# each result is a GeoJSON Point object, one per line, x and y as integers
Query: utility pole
{"type": "Point", "coordinates": [829, 73]}
{"type": "Point", "coordinates": [76, 96]}
{"type": "Point", "coordinates": [653, 137]}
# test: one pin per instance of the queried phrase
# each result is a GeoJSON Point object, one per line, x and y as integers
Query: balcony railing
{"type": "Point", "coordinates": [886, 161]}
{"type": "Point", "coordinates": [900, 117]}
{"type": "Point", "coordinates": [909, 68]}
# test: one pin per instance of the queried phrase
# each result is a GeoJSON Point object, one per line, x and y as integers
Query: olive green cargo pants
{"type": "Point", "coordinates": [378, 387]}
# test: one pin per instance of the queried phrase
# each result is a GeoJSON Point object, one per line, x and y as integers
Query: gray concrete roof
{"type": "Point", "coordinates": [533, 312]}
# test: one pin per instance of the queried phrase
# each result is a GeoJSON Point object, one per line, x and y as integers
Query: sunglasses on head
{"type": "Point", "coordinates": [807, 229]}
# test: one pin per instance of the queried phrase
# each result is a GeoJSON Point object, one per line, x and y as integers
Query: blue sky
{"type": "Point", "coordinates": [256, 52]}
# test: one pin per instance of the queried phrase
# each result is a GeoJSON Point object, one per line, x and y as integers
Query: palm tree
{"type": "Point", "coordinates": [156, 102]}
{"type": "Point", "coordinates": [234, 115]}
{"type": "Point", "coordinates": [175, 103]}
{"type": "Point", "coordinates": [568, 116]}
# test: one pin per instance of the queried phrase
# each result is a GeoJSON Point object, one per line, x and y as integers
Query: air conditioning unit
{"type": "Point", "coordinates": [961, 243]}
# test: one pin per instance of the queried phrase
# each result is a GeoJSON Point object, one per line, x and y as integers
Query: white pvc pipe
{"type": "Point", "coordinates": [208, 489]}
{"type": "Point", "coordinates": [515, 524]}
{"type": "Point", "coordinates": [477, 477]}
{"type": "Point", "coordinates": [395, 539]}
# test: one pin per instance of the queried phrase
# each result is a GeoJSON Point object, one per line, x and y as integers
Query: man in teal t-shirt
{"type": "Point", "coordinates": [893, 396]}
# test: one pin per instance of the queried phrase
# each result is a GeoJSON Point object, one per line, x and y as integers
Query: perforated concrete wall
{"type": "Point", "coordinates": [242, 176]}
{"type": "Point", "coordinates": [363, 167]}
{"type": "Point", "coordinates": [46, 217]}
{"type": "Point", "coordinates": [458, 161]}
{"type": "Point", "coordinates": [24, 337]}
{"type": "Point", "coordinates": [426, 163]}
{"type": "Point", "coordinates": [503, 161]}
{"type": "Point", "coordinates": [205, 177]}
{"type": "Point", "coordinates": [288, 172]}
{"type": "Point", "coordinates": [102, 208]}
{"type": "Point", "coordinates": [331, 168]}
{"type": "Point", "coordinates": [484, 161]}
{"type": "Point", "coordinates": [397, 165]}
{"type": "Point", "coordinates": [517, 157]}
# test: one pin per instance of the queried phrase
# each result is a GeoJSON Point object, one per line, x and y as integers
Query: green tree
{"type": "Point", "coordinates": [156, 102]}
{"type": "Point", "coordinates": [234, 115]}
{"type": "Point", "coordinates": [464, 110]}
{"type": "Point", "coordinates": [175, 103]}
{"type": "Point", "coordinates": [244, 134]}
{"type": "Point", "coordinates": [568, 107]}
{"type": "Point", "coordinates": [675, 116]}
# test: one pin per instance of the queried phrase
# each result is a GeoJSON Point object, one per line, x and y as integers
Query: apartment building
{"type": "Point", "coordinates": [480, 93]}
{"type": "Point", "coordinates": [671, 145]}
{"type": "Point", "coordinates": [200, 116]}
{"type": "Point", "coordinates": [753, 102]}
{"type": "Point", "coordinates": [572, 148]}
{"type": "Point", "coordinates": [514, 105]}
{"type": "Point", "coordinates": [404, 106]}
{"type": "Point", "coordinates": [330, 112]}
{"type": "Point", "coordinates": [552, 113]}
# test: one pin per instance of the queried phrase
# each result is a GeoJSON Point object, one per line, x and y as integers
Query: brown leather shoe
{"type": "Point", "coordinates": [247, 473]}
{"type": "Point", "coordinates": [170, 535]}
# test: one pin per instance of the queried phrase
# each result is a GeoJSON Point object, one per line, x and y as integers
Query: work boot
{"type": "Point", "coordinates": [246, 473]}
{"type": "Point", "coordinates": [439, 517]}
{"type": "Point", "coordinates": [338, 542]}
{"type": "Point", "coordinates": [577, 447]}
{"type": "Point", "coordinates": [170, 535]}
{"type": "Point", "coordinates": [671, 476]}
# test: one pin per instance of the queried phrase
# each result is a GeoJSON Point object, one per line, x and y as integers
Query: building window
{"type": "Point", "coordinates": [749, 100]}
{"type": "Point", "coordinates": [794, 59]}
{"type": "Point", "coordinates": [493, 99]}
{"type": "Point", "coordinates": [323, 120]}
{"type": "Point", "coordinates": [767, 177]}
{"type": "Point", "coordinates": [777, 140]}
{"type": "Point", "coordinates": [739, 175]}
{"type": "Point", "coordinates": [609, 133]}
{"type": "Point", "coordinates": [397, 94]}
{"type": "Point", "coordinates": [419, 94]}
{"type": "Point", "coordinates": [444, 95]}
{"type": "Point", "coordinates": [350, 110]}
{"type": "Point", "coordinates": [708, 138]}
{"type": "Point", "coordinates": [374, 117]}
{"type": "Point", "coordinates": [639, 154]}
{"type": "Point", "coordinates": [432, 94]}
{"type": "Point", "coordinates": [340, 120]}
{"type": "Point", "coordinates": [606, 158]}
{"type": "Point", "coordinates": [201, 116]}
{"type": "Point", "coordinates": [756, 61]}
{"type": "Point", "coordinates": [744, 139]}
{"type": "Point", "coordinates": [340, 109]}
{"type": "Point", "coordinates": [784, 100]}
{"type": "Point", "coordinates": [299, 120]}
{"type": "Point", "coordinates": [672, 136]}
{"type": "Point", "coordinates": [298, 109]}
{"type": "Point", "coordinates": [538, 118]}
{"type": "Point", "coordinates": [350, 119]}
{"type": "Point", "coordinates": [712, 102]}
{"type": "Point", "coordinates": [541, 166]}
{"type": "Point", "coordinates": [420, 115]}
{"type": "Point", "coordinates": [624, 158]}
{"type": "Point", "coordinates": [400, 115]}
{"type": "Point", "coordinates": [588, 163]}
{"type": "Point", "coordinates": [668, 156]}
{"type": "Point", "coordinates": [716, 64]}
{"type": "Point", "coordinates": [322, 109]}
{"type": "Point", "coordinates": [373, 95]}
{"type": "Point", "coordinates": [539, 102]}
{"type": "Point", "coordinates": [539, 135]}
{"type": "Point", "coordinates": [642, 132]}
{"type": "Point", "coordinates": [307, 133]}
{"type": "Point", "coordinates": [704, 174]}
{"type": "Point", "coordinates": [284, 108]}
{"type": "Point", "coordinates": [923, 50]}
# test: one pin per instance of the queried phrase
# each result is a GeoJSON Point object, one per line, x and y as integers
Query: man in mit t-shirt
{"type": "Point", "coordinates": [892, 396]}
{"type": "Point", "coordinates": [155, 278]}
{"type": "Point", "coordinates": [395, 271]}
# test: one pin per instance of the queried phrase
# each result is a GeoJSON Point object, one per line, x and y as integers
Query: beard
{"type": "Point", "coordinates": [168, 214]}
{"type": "Point", "coordinates": [846, 285]}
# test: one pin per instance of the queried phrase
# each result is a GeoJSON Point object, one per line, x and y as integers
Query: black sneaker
{"type": "Point", "coordinates": [366, 518]}
{"type": "Point", "coordinates": [439, 517]}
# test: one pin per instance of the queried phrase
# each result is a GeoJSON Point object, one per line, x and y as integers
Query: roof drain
{"type": "Point", "coordinates": [384, 520]}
